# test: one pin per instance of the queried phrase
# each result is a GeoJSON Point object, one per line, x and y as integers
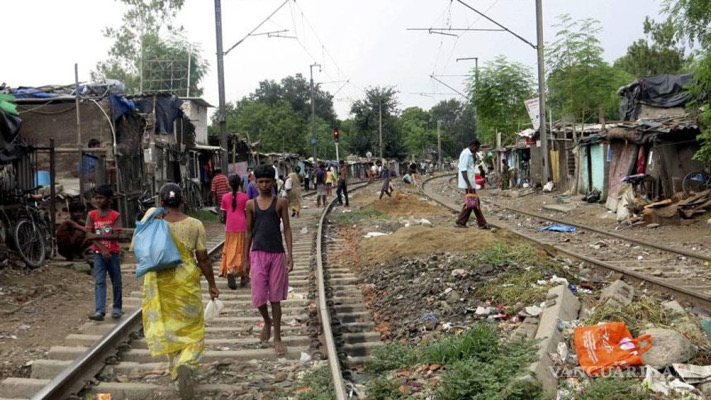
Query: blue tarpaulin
{"type": "Point", "coordinates": [559, 228]}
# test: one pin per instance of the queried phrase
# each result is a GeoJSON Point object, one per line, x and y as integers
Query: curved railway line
{"type": "Point", "coordinates": [677, 272]}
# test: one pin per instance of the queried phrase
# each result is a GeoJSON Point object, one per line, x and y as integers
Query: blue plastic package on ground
{"type": "Point", "coordinates": [154, 247]}
{"type": "Point", "coordinates": [559, 228]}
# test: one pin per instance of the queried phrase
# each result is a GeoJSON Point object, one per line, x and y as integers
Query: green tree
{"type": "Point", "coordinates": [691, 20]}
{"type": "Point", "coordinates": [499, 98]}
{"type": "Point", "coordinates": [458, 124]}
{"type": "Point", "coordinates": [147, 34]}
{"type": "Point", "coordinates": [659, 53]}
{"type": "Point", "coordinates": [580, 82]}
{"type": "Point", "coordinates": [366, 114]}
{"type": "Point", "coordinates": [278, 115]}
{"type": "Point", "coordinates": [420, 138]}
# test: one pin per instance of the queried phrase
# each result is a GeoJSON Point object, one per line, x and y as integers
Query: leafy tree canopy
{"type": "Point", "coordinates": [580, 82]}
{"type": "Point", "coordinates": [278, 115]}
{"type": "Point", "coordinates": [659, 53]}
{"type": "Point", "coordinates": [499, 98]}
{"type": "Point", "coordinates": [148, 45]}
{"type": "Point", "coordinates": [366, 113]}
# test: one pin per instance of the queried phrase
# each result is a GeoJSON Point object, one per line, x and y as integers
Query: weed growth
{"type": "Point", "coordinates": [481, 342]}
{"type": "Point", "coordinates": [636, 315]}
{"type": "Point", "coordinates": [614, 389]}
{"type": "Point", "coordinates": [520, 266]}
{"type": "Point", "coordinates": [381, 388]}
{"type": "Point", "coordinates": [354, 216]}
{"type": "Point", "coordinates": [318, 384]}
{"type": "Point", "coordinates": [391, 356]}
{"type": "Point", "coordinates": [477, 365]}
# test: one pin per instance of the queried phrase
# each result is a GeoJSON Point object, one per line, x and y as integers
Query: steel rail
{"type": "Point", "coordinates": [696, 297]}
{"type": "Point", "coordinates": [602, 232]}
{"type": "Point", "coordinates": [73, 378]}
{"type": "Point", "coordinates": [332, 352]}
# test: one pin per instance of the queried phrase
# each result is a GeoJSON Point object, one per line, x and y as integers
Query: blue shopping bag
{"type": "Point", "coordinates": [154, 246]}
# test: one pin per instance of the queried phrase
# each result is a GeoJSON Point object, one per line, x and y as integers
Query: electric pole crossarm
{"type": "Point", "coordinates": [497, 24]}
{"type": "Point", "coordinates": [455, 90]}
{"type": "Point", "coordinates": [456, 29]}
{"type": "Point", "coordinates": [258, 26]}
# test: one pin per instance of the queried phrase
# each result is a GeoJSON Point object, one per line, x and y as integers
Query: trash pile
{"type": "Point", "coordinates": [656, 350]}
{"type": "Point", "coordinates": [680, 210]}
{"type": "Point", "coordinates": [443, 292]}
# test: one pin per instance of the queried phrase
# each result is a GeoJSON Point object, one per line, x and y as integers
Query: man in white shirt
{"type": "Point", "coordinates": [466, 171]}
{"type": "Point", "coordinates": [276, 171]}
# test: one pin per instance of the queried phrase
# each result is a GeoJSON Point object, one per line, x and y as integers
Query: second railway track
{"type": "Point", "coordinates": [680, 273]}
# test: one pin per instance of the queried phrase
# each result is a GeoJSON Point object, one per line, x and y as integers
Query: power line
{"type": "Point", "coordinates": [497, 24]}
{"type": "Point", "coordinates": [255, 29]}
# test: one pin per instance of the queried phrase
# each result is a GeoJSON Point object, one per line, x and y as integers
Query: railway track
{"type": "Point", "coordinates": [677, 272]}
{"type": "Point", "coordinates": [323, 317]}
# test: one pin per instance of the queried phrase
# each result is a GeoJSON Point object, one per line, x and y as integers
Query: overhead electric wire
{"type": "Point", "coordinates": [255, 29]}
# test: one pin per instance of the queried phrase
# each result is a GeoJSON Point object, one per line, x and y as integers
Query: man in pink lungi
{"type": "Point", "coordinates": [264, 253]}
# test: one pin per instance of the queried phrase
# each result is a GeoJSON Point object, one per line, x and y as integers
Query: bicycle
{"type": "Point", "coordinates": [696, 182]}
{"type": "Point", "coordinates": [192, 193]}
{"type": "Point", "coordinates": [29, 229]}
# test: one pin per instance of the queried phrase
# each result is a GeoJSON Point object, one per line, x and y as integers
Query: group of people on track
{"type": "Point", "coordinates": [257, 248]}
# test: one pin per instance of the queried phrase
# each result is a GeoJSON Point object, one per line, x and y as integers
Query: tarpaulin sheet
{"type": "Point", "coordinates": [664, 91]}
{"type": "Point", "coordinates": [167, 111]}
{"type": "Point", "coordinates": [9, 129]}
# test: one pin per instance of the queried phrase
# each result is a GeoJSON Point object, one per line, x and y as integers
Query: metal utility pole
{"type": "Point", "coordinates": [313, 109]}
{"type": "Point", "coordinates": [543, 132]}
{"type": "Point", "coordinates": [221, 117]}
{"type": "Point", "coordinates": [439, 145]}
{"type": "Point", "coordinates": [380, 126]}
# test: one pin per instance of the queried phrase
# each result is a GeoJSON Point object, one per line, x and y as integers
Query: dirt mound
{"type": "Point", "coordinates": [403, 203]}
{"type": "Point", "coordinates": [419, 240]}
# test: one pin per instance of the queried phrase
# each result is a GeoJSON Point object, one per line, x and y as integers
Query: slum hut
{"type": "Point", "coordinates": [98, 144]}
{"type": "Point", "coordinates": [593, 164]}
{"type": "Point", "coordinates": [661, 148]}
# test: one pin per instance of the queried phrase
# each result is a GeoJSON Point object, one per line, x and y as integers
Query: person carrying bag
{"type": "Point", "coordinates": [154, 246]}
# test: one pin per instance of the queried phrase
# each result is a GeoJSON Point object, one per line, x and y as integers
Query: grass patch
{"type": "Point", "coordinates": [354, 216]}
{"type": "Point", "coordinates": [381, 388]}
{"type": "Point", "coordinates": [481, 342]}
{"type": "Point", "coordinates": [391, 356]}
{"type": "Point", "coordinates": [204, 215]}
{"type": "Point", "coordinates": [614, 389]}
{"type": "Point", "coordinates": [636, 315]}
{"type": "Point", "coordinates": [521, 267]}
{"type": "Point", "coordinates": [477, 365]}
{"type": "Point", "coordinates": [317, 385]}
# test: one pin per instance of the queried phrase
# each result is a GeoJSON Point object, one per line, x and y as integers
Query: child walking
{"type": "Point", "coordinates": [103, 226]}
{"type": "Point", "coordinates": [233, 205]}
{"type": "Point", "coordinates": [264, 254]}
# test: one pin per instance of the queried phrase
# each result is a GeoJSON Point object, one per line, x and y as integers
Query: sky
{"type": "Point", "coordinates": [358, 44]}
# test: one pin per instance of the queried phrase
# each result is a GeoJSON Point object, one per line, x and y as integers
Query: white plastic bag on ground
{"type": "Point", "coordinates": [213, 309]}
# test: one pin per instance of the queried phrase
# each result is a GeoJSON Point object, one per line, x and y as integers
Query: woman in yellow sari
{"type": "Point", "coordinates": [173, 320]}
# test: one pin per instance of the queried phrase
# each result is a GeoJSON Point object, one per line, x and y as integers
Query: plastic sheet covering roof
{"type": "Point", "coordinates": [646, 130]}
{"type": "Point", "coordinates": [527, 133]}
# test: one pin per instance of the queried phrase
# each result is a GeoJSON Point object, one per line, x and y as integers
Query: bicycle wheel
{"type": "Point", "coordinates": [694, 182]}
{"type": "Point", "coordinates": [29, 243]}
